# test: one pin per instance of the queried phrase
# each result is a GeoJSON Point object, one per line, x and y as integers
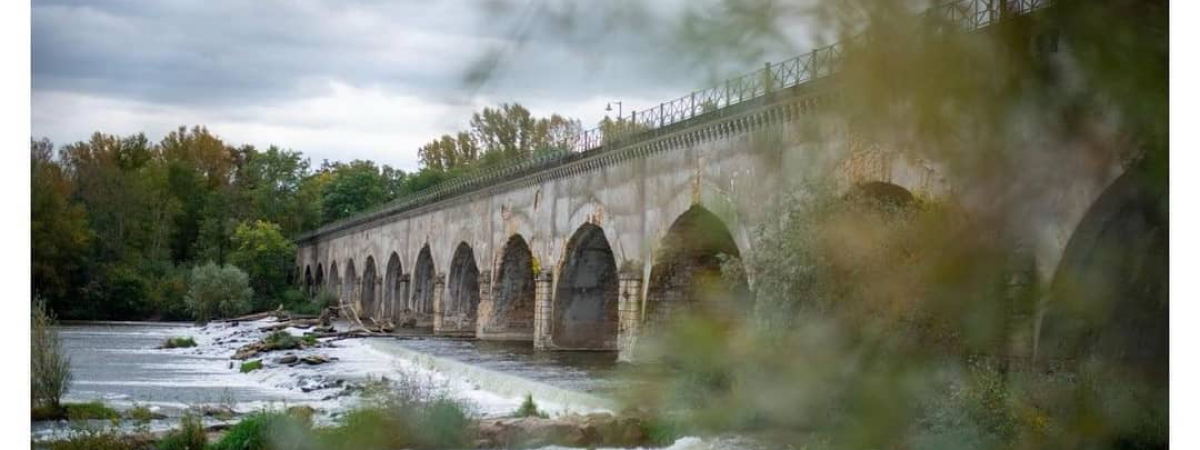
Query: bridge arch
{"type": "Point", "coordinates": [687, 272]}
{"type": "Point", "coordinates": [462, 288]}
{"type": "Point", "coordinates": [335, 280]}
{"type": "Point", "coordinates": [585, 301]}
{"type": "Point", "coordinates": [393, 297]}
{"type": "Point", "coordinates": [423, 284]}
{"type": "Point", "coordinates": [368, 298]}
{"type": "Point", "coordinates": [320, 279]}
{"type": "Point", "coordinates": [308, 280]}
{"type": "Point", "coordinates": [1109, 294]}
{"type": "Point", "coordinates": [510, 312]}
{"type": "Point", "coordinates": [349, 284]}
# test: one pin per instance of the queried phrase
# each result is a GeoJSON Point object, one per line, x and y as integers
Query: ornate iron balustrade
{"type": "Point", "coordinates": [966, 15]}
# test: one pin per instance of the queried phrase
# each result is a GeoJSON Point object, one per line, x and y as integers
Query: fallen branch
{"type": "Point", "coordinates": [297, 323]}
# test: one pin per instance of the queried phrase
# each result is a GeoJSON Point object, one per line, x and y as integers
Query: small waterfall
{"type": "Point", "coordinates": [503, 384]}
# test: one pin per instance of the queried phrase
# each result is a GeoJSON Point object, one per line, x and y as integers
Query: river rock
{"type": "Point", "coordinates": [247, 352]}
{"type": "Point", "coordinates": [616, 431]}
{"type": "Point", "coordinates": [287, 359]}
{"type": "Point", "coordinates": [532, 432]}
{"type": "Point", "coordinates": [313, 360]}
{"type": "Point", "coordinates": [598, 429]}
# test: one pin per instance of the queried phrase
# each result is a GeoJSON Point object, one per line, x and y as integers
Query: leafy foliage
{"type": "Point", "coordinates": [218, 292]}
{"type": "Point", "coordinates": [50, 368]}
{"type": "Point", "coordinates": [529, 408]}
{"type": "Point", "coordinates": [179, 342]}
{"type": "Point", "coordinates": [267, 430]}
{"type": "Point", "coordinates": [94, 410]}
{"type": "Point", "coordinates": [281, 340]}
{"type": "Point", "coordinates": [261, 250]}
{"type": "Point", "coordinates": [189, 436]}
{"type": "Point", "coordinates": [250, 366]}
{"type": "Point", "coordinates": [119, 222]}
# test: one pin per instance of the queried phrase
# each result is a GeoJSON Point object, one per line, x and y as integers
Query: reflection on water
{"type": "Point", "coordinates": [591, 372]}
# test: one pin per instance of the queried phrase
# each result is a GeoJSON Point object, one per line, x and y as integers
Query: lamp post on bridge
{"type": "Point", "coordinates": [620, 109]}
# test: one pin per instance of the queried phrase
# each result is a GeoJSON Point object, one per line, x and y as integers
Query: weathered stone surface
{"type": "Point", "coordinates": [287, 359]}
{"type": "Point", "coordinates": [532, 432]}
{"type": "Point", "coordinates": [590, 430]}
{"type": "Point", "coordinates": [314, 360]}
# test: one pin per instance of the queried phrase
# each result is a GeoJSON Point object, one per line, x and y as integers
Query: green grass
{"type": "Point", "coordinates": [365, 429]}
{"type": "Point", "coordinates": [189, 436]}
{"type": "Point", "coordinates": [179, 342]}
{"type": "Point", "coordinates": [530, 409]}
{"type": "Point", "coordinates": [661, 431]}
{"type": "Point", "coordinates": [95, 410]}
{"type": "Point", "coordinates": [250, 366]}
{"type": "Point", "coordinates": [434, 424]}
{"type": "Point", "coordinates": [264, 430]}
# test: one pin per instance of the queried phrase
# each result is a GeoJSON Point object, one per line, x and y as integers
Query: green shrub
{"type": "Point", "coordinates": [166, 288]}
{"type": "Point", "coordinates": [661, 431]}
{"type": "Point", "coordinates": [281, 340]}
{"type": "Point", "coordinates": [94, 410]}
{"type": "Point", "coordinates": [297, 302]}
{"type": "Point", "coordinates": [218, 292]}
{"type": "Point", "coordinates": [442, 424]}
{"type": "Point", "coordinates": [179, 342]}
{"type": "Point", "coordinates": [324, 299]}
{"type": "Point", "coordinates": [437, 424]}
{"type": "Point", "coordinates": [189, 436]}
{"type": "Point", "coordinates": [50, 369]}
{"type": "Point", "coordinates": [141, 415]}
{"type": "Point", "coordinates": [268, 430]}
{"type": "Point", "coordinates": [365, 429]}
{"type": "Point", "coordinates": [250, 366]}
{"type": "Point", "coordinates": [529, 408]}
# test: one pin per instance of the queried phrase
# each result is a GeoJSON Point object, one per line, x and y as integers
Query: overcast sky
{"type": "Point", "coordinates": [341, 80]}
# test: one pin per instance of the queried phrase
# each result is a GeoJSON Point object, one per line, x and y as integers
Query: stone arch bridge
{"type": "Point", "coordinates": [588, 250]}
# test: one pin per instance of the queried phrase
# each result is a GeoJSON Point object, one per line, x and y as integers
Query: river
{"type": "Point", "coordinates": [120, 363]}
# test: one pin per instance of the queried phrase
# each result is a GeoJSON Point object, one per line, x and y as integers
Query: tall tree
{"type": "Point", "coordinates": [261, 250]}
{"type": "Point", "coordinates": [449, 153]}
{"type": "Point", "coordinates": [60, 233]}
{"type": "Point", "coordinates": [352, 188]}
{"type": "Point", "coordinates": [508, 132]}
{"type": "Point", "coordinates": [197, 164]}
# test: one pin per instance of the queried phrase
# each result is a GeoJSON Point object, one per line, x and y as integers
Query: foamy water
{"type": "Point", "coordinates": [120, 364]}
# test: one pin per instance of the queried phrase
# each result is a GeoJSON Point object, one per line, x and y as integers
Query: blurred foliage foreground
{"type": "Point", "coordinates": [879, 325]}
{"type": "Point", "coordinates": [918, 323]}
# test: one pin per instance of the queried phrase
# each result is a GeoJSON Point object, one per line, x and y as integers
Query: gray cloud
{"type": "Point", "coordinates": [268, 71]}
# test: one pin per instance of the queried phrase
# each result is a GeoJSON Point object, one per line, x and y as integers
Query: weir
{"type": "Point", "coordinates": [504, 384]}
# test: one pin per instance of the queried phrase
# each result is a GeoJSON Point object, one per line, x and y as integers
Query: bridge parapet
{"type": "Point", "coordinates": [709, 103]}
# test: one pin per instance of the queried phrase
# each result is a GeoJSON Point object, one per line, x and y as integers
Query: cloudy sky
{"type": "Point", "coordinates": [341, 80]}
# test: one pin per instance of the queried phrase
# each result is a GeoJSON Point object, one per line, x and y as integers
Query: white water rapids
{"type": "Point", "coordinates": [120, 364]}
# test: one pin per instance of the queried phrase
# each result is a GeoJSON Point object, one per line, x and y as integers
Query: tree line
{"type": "Point", "coordinates": [119, 223]}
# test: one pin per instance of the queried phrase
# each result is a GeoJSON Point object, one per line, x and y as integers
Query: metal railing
{"type": "Point", "coordinates": [966, 15]}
